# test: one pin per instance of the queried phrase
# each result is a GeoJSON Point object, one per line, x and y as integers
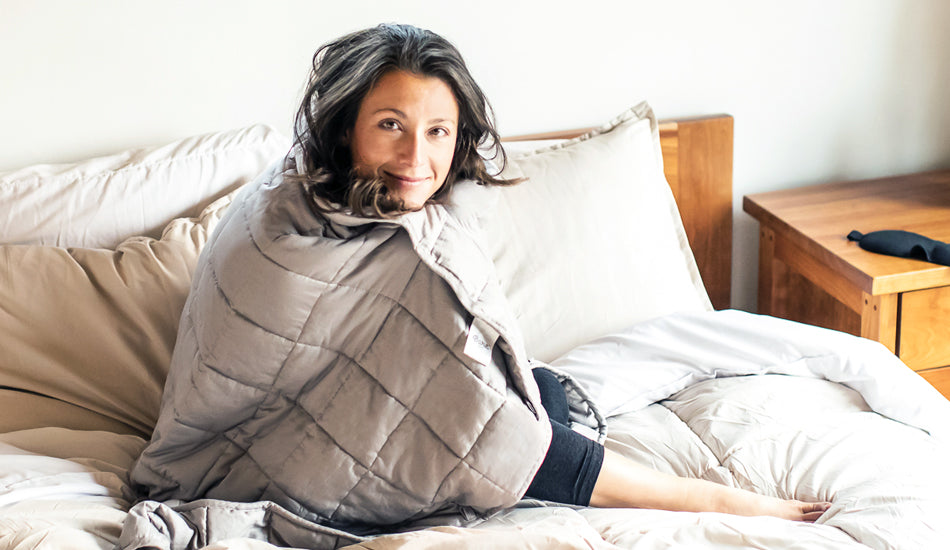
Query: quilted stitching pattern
{"type": "Point", "coordinates": [328, 375]}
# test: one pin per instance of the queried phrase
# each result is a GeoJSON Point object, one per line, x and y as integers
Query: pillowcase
{"type": "Point", "coordinates": [592, 242]}
{"type": "Point", "coordinates": [87, 334]}
{"type": "Point", "coordinates": [100, 202]}
{"type": "Point", "coordinates": [20, 410]}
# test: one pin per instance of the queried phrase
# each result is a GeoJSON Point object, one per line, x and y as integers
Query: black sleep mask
{"type": "Point", "coordinates": [904, 244]}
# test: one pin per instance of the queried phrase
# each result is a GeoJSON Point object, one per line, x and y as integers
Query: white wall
{"type": "Point", "coordinates": [820, 90]}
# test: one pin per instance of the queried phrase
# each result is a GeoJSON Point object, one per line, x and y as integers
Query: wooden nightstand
{"type": "Point", "coordinates": [810, 272]}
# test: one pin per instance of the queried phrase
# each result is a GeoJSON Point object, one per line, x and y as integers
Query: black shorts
{"type": "Point", "coordinates": [572, 464]}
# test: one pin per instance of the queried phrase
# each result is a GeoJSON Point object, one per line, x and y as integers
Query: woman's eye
{"type": "Point", "coordinates": [389, 125]}
{"type": "Point", "coordinates": [440, 132]}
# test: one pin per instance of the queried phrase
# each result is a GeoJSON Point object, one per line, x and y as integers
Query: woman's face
{"type": "Point", "coordinates": [405, 133]}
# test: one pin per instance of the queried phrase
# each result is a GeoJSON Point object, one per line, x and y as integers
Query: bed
{"type": "Point", "coordinates": [95, 265]}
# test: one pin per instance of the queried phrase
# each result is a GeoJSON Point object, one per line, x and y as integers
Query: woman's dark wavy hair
{"type": "Point", "coordinates": [344, 71]}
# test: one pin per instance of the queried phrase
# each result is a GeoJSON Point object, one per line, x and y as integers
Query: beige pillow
{"type": "Point", "coordinates": [592, 242]}
{"type": "Point", "coordinates": [94, 328]}
{"type": "Point", "coordinates": [21, 410]}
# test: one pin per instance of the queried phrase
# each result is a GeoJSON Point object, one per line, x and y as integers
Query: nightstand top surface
{"type": "Point", "coordinates": [818, 218]}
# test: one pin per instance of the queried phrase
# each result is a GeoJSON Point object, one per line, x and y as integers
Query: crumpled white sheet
{"type": "Point", "coordinates": [62, 488]}
{"type": "Point", "coordinates": [651, 361]}
{"type": "Point", "coordinates": [781, 408]}
{"type": "Point", "coordinates": [792, 437]}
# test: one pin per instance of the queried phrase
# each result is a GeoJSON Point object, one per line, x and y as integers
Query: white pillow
{"type": "Point", "coordinates": [103, 201]}
{"type": "Point", "coordinates": [592, 242]}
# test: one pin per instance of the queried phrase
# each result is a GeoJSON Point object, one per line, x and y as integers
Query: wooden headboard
{"type": "Point", "coordinates": [697, 161]}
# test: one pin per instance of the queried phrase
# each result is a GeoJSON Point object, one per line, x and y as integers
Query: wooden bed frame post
{"type": "Point", "coordinates": [697, 160]}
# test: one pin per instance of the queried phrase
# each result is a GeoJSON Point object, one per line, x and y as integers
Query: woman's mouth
{"type": "Point", "coordinates": [407, 180]}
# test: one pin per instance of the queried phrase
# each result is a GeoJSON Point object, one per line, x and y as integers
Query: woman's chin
{"type": "Point", "coordinates": [412, 199]}
{"type": "Point", "coordinates": [412, 206]}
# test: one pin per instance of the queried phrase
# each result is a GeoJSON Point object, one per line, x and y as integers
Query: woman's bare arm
{"type": "Point", "coordinates": [623, 483]}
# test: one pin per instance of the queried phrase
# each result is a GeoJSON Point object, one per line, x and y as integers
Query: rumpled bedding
{"type": "Point", "coordinates": [62, 488]}
{"type": "Point", "coordinates": [753, 402]}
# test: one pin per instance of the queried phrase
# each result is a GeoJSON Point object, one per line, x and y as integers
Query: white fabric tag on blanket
{"type": "Point", "coordinates": [480, 341]}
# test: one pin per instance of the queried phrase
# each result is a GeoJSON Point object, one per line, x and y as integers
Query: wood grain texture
{"type": "Point", "coordinates": [784, 292]}
{"type": "Point", "coordinates": [820, 217]}
{"type": "Point", "coordinates": [925, 328]}
{"type": "Point", "coordinates": [938, 378]}
{"type": "Point", "coordinates": [879, 319]}
{"type": "Point", "coordinates": [768, 270]}
{"type": "Point", "coordinates": [697, 163]}
{"type": "Point", "coordinates": [700, 176]}
{"type": "Point", "coordinates": [790, 252]}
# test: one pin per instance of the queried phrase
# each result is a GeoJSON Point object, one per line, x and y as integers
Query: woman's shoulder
{"type": "Point", "coordinates": [275, 205]}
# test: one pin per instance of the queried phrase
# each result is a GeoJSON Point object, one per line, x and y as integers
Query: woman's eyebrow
{"type": "Point", "coordinates": [401, 114]}
{"type": "Point", "coordinates": [391, 110]}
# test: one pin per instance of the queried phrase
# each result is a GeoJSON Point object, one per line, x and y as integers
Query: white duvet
{"type": "Point", "coordinates": [768, 405]}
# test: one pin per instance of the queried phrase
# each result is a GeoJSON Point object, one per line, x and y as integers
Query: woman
{"type": "Point", "coordinates": [345, 350]}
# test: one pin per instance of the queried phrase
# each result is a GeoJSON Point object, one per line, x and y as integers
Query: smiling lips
{"type": "Point", "coordinates": [408, 181]}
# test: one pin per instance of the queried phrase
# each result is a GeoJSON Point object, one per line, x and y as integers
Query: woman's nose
{"type": "Point", "coordinates": [412, 150]}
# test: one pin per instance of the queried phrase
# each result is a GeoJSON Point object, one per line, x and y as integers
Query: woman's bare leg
{"type": "Point", "coordinates": [623, 483]}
